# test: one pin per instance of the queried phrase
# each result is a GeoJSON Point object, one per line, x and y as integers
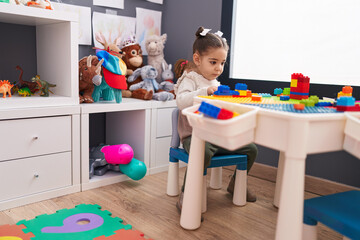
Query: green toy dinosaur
{"type": "Point", "coordinates": [43, 85]}
{"type": "Point", "coordinates": [25, 92]}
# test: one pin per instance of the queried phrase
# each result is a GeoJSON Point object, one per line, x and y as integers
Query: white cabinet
{"type": "Point", "coordinates": [125, 123]}
{"type": "Point", "coordinates": [160, 135]}
{"type": "Point", "coordinates": [40, 143]}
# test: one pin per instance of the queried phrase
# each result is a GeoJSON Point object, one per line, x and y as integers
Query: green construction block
{"type": "Point", "coordinates": [104, 224]}
{"type": "Point", "coordinates": [314, 98]}
{"type": "Point", "coordinates": [286, 91]}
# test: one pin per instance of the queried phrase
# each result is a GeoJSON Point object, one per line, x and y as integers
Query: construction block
{"type": "Point", "coordinates": [14, 232]}
{"type": "Point", "coordinates": [213, 111]}
{"type": "Point", "coordinates": [240, 86]}
{"type": "Point", "coordinates": [224, 90]}
{"type": "Point", "coordinates": [256, 98]}
{"type": "Point", "coordinates": [248, 93]}
{"type": "Point", "coordinates": [347, 89]}
{"type": "Point", "coordinates": [345, 101]}
{"type": "Point", "coordinates": [308, 103]}
{"type": "Point", "coordinates": [355, 108]}
{"type": "Point", "coordinates": [278, 91]}
{"type": "Point", "coordinates": [125, 234]}
{"type": "Point", "coordinates": [323, 104]}
{"type": "Point", "coordinates": [299, 106]}
{"type": "Point", "coordinates": [64, 224]}
{"type": "Point", "coordinates": [314, 98]}
{"type": "Point", "coordinates": [242, 92]}
{"type": "Point", "coordinates": [286, 91]}
{"type": "Point", "coordinates": [265, 94]}
{"type": "Point", "coordinates": [284, 98]}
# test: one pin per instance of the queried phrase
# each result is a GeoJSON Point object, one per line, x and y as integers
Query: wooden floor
{"type": "Point", "coordinates": [145, 205]}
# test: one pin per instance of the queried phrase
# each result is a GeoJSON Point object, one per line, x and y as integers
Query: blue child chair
{"type": "Point", "coordinates": [340, 212]}
{"type": "Point", "coordinates": [176, 154]}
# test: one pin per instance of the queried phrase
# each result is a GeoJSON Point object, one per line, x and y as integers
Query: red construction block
{"type": "Point", "coordinates": [15, 231]}
{"type": "Point", "coordinates": [125, 234]}
{"type": "Point", "coordinates": [299, 106]}
{"type": "Point", "coordinates": [355, 108]}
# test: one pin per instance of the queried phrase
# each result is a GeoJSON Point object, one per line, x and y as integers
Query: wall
{"type": "Point", "coordinates": [336, 166]}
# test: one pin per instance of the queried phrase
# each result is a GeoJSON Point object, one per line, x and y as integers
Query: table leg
{"type": "Point", "coordinates": [279, 178]}
{"type": "Point", "coordinates": [290, 215]}
{"type": "Point", "coordinates": [191, 209]}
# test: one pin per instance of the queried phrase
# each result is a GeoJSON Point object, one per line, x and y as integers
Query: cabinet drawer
{"type": "Point", "coordinates": [35, 136]}
{"type": "Point", "coordinates": [163, 124]}
{"type": "Point", "coordinates": [162, 151]}
{"type": "Point", "coordinates": [33, 175]}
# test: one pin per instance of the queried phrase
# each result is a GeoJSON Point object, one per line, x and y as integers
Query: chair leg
{"type": "Point", "coordinates": [216, 178]}
{"type": "Point", "coordinates": [173, 179]}
{"type": "Point", "coordinates": [239, 197]}
{"type": "Point", "coordinates": [309, 232]}
{"type": "Point", "coordinates": [204, 196]}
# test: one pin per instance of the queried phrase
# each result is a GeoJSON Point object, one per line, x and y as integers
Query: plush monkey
{"type": "Point", "coordinates": [133, 59]}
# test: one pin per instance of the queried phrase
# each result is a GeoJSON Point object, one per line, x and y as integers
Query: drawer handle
{"type": "Point", "coordinates": [36, 175]}
{"type": "Point", "coordinates": [35, 137]}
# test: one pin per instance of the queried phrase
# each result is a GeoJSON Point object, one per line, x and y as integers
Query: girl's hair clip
{"type": "Point", "coordinates": [204, 32]}
{"type": "Point", "coordinates": [220, 33]}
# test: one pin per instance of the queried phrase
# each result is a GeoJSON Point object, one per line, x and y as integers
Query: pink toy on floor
{"type": "Point", "coordinates": [118, 154]}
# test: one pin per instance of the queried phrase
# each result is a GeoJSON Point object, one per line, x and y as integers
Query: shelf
{"type": "Point", "coordinates": [127, 104]}
{"type": "Point", "coordinates": [35, 101]}
{"type": "Point", "coordinates": [31, 16]}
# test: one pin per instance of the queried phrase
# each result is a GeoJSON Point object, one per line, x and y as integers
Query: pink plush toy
{"type": "Point", "coordinates": [118, 154]}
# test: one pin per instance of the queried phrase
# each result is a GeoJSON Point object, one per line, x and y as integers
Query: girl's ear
{"type": "Point", "coordinates": [196, 59]}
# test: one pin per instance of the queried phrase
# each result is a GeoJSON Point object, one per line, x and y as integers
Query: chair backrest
{"type": "Point", "coordinates": [175, 138]}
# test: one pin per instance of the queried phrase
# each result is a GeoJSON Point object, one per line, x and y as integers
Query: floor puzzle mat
{"type": "Point", "coordinates": [83, 222]}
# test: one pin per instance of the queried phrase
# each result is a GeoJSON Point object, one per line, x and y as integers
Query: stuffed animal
{"type": "Point", "coordinates": [133, 58]}
{"type": "Point", "coordinates": [89, 74]}
{"type": "Point", "coordinates": [113, 71]}
{"type": "Point", "coordinates": [148, 74]}
{"type": "Point", "coordinates": [167, 77]}
{"type": "Point", "coordinates": [154, 46]}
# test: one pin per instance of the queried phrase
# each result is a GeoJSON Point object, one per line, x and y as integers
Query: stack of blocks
{"type": "Point", "coordinates": [299, 87]}
{"type": "Point", "coordinates": [66, 224]}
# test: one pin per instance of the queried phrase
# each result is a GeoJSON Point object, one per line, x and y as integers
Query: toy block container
{"type": "Point", "coordinates": [230, 133]}
{"type": "Point", "coordinates": [352, 134]}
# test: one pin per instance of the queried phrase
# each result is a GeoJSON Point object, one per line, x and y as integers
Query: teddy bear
{"type": "Point", "coordinates": [133, 58]}
{"type": "Point", "coordinates": [148, 74]}
{"type": "Point", "coordinates": [154, 46]}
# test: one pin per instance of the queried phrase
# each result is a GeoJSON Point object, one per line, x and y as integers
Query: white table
{"type": "Point", "coordinates": [294, 135]}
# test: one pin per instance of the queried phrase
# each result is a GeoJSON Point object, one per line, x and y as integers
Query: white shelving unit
{"type": "Point", "coordinates": [56, 54]}
{"type": "Point", "coordinates": [40, 150]}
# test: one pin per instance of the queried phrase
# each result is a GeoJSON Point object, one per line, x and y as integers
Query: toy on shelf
{"type": "Point", "coordinates": [89, 75]}
{"type": "Point", "coordinates": [5, 88]}
{"type": "Point", "coordinates": [133, 58]}
{"type": "Point", "coordinates": [148, 74]}
{"type": "Point", "coordinates": [25, 92]}
{"type": "Point", "coordinates": [154, 46]}
{"type": "Point", "coordinates": [117, 158]}
{"type": "Point", "coordinates": [45, 4]}
{"type": "Point", "coordinates": [113, 71]}
{"type": "Point", "coordinates": [299, 87]}
{"type": "Point", "coordinates": [33, 86]}
{"type": "Point", "coordinates": [213, 111]}
{"type": "Point", "coordinates": [167, 77]}
{"type": "Point", "coordinates": [43, 85]}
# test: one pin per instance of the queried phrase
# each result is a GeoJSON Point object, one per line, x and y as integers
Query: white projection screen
{"type": "Point", "coordinates": [271, 39]}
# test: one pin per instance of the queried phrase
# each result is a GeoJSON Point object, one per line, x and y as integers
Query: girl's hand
{"type": "Point", "coordinates": [211, 90]}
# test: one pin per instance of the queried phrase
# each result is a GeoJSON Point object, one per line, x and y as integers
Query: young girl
{"type": "Point", "coordinates": [198, 78]}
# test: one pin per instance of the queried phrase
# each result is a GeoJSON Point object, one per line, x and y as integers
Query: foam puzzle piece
{"type": "Point", "coordinates": [14, 232]}
{"type": "Point", "coordinates": [125, 234]}
{"type": "Point", "coordinates": [64, 224]}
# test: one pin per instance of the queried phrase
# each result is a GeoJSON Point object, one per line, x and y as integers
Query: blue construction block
{"type": "Point", "coordinates": [340, 212]}
{"type": "Point", "coordinates": [240, 86]}
{"type": "Point", "coordinates": [323, 104]}
{"type": "Point", "coordinates": [278, 91]}
{"type": "Point", "coordinates": [209, 110]}
{"type": "Point", "coordinates": [285, 98]}
{"type": "Point", "coordinates": [345, 101]}
{"type": "Point", "coordinates": [264, 94]}
{"type": "Point", "coordinates": [224, 90]}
